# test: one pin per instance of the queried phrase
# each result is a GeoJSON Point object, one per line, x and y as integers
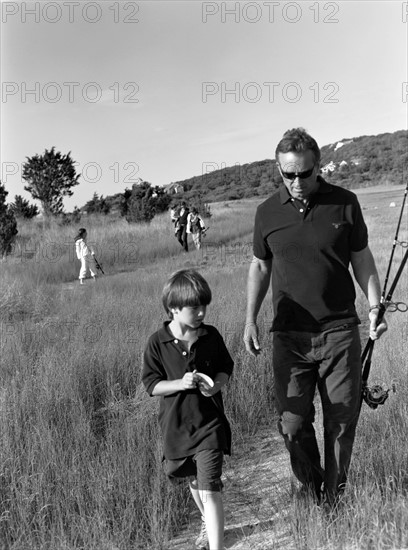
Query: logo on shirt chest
{"type": "Point", "coordinates": [336, 225]}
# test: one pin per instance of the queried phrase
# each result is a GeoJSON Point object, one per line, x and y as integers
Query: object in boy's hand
{"type": "Point", "coordinates": [204, 383]}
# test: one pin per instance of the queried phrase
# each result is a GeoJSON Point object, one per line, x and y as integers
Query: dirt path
{"type": "Point", "coordinates": [257, 488]}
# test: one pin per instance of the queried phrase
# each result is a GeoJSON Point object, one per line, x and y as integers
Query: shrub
{"type": "Point", "coordinates": [21, 208]}
{"type": "Point", "coordinates": [8, 224]}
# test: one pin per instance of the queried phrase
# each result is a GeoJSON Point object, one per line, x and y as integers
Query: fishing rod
{"type": "Point", "coordinates": [376, 395]}
{"type": "Point", "coordinates": [98, 265]}
{"type": "Point", "coordinates": [404, 244]}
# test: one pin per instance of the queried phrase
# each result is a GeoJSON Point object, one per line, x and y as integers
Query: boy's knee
{"type": "Point", "coordinates": [194, 484]}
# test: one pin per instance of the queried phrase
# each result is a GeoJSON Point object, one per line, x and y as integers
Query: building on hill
{"type": "Point", "coordinates": [330, 167]}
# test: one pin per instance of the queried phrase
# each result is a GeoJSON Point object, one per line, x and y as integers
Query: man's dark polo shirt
{"type": "Point", "coordinates": [310, 248]}
{"type": "Point", "coordinates": [189, 421]}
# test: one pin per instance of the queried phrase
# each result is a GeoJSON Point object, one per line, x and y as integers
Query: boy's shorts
{"type": "Point", "coordinates": [205, 465]}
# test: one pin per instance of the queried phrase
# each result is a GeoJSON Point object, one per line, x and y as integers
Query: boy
{"type": "Point", "coordinates": [195, 430]}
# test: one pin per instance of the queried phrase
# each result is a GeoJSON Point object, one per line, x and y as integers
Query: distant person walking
{"type": "Point", "coordinates": [174, 216]}
{"type": "Point", "coordinates": [196, 227]}
{"type": "Point", "coordinates": [85, 254]}
{"type": "Point", "coordinates": [174, 213]}
{"type": "Point", "coordinates": [181, 233]}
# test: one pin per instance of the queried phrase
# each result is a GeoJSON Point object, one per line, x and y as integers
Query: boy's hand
{"type": "Point", "coordinates": [189, 382]}
{"type": "Point", "coordinates": [207, 391]}
{"type": "Point", "coordinates": [219, 382]}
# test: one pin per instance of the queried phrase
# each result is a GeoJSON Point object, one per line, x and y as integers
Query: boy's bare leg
{"type": "Point", "coordinates": [214, 518]}
{"type": "Point", "coordinates": [196, 496]}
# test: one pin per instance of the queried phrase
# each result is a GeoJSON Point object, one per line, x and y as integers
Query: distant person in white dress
{"type": "Point", "coordinates": [196, 227]}
{"type": "Point", "coordinates": [85, 254]}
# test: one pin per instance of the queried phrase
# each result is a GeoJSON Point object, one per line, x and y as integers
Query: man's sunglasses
{"type": "Point", "coordinates": [301, 175]}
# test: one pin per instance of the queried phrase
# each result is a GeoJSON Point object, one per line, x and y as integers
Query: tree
{"type": "Point", "coordinates": [162, 199]}
{"type": "Point", "coordinates": [8, 224]}
{"type": "Point", "coordinates": [124, 202]}
{"type": "Point", "coordinates": [70, 217]}
{"type": "Point", "coordinates": [141, 203]}
{"type": "Point", "coordinates": [21, 208]}
{"type": "Point", "coordinates": [97, 205]}
{"type": "Point", "coordinates": [50, 177]}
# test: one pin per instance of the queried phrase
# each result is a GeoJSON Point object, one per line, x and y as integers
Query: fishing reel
{"type": "Point", "coordinates": [376, 395]}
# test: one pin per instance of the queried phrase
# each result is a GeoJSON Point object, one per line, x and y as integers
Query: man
{"type": "Point", "coordinates": [305, 237]}
{"type": "Point", "coordinates": [181, 233]}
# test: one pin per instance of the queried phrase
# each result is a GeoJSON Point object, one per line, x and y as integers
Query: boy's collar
{"type": "Point", "coordinates": [166, 336]}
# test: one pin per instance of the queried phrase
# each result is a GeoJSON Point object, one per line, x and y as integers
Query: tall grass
{"type": "Point", "coordinates": [46, 254]}
{"type": "Point", "coordinates": [80, 449]}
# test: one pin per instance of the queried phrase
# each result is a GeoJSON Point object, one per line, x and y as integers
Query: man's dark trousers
{"type": "Point", "coordinates": [182, 236]}
{"type": "Point", "coordinates": [330, 360]}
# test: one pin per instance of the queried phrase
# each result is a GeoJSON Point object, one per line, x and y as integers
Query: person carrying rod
{"type": "Point", "coordinates": [85, 254]}
{"type": "Point", "coordinates": [305, 237]}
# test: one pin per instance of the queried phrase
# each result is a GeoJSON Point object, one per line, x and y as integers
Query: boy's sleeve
{"type": "Point", "coordinates": [225, 364]}
{"type": "Point", "coordinates": [153, 371]}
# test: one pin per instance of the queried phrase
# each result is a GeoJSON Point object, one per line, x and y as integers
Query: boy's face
{"type": "Point", "coordinates": [189, 316]}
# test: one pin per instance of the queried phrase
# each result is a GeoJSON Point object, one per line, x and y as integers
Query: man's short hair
{"type": "Point", "coordinates": [297, 140]}
{"type": "Point", "coordinates": [185, 287]}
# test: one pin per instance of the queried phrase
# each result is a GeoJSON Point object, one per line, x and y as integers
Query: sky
{"type": "Point", "coordinates": [166, 90]}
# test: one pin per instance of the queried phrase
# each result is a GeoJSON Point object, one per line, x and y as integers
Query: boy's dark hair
{"type": "Point", "coordinates": [297, 140]}
{"type": "Point", "coordinates": [185, 287]}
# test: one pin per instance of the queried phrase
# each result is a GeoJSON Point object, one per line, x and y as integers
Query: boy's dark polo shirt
{"type": "Point", "coordinates": [189, 421]}
{"type": "Point", "coordinates": [312, 287]}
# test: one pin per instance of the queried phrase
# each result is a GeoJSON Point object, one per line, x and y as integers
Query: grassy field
{"type": "Point", "coordinates": [79, 443]}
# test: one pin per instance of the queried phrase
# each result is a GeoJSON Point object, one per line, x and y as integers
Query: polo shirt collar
{"type": "Point", "coordinates": [166, 336]}
{"type": "Point", "coordinates": [324, 187]}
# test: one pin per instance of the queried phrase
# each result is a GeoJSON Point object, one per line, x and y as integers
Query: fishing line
{"type": "Point", "coordinates": [376, 395]}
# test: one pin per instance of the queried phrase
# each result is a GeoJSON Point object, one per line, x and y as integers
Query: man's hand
{"type": "Point", "coordinates": [376, 331]}
{"type": "Point", "coordinates": [251, 339]}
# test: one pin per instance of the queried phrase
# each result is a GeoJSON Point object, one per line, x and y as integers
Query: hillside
{"type": "Point", "coordinates": [351, 162]}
